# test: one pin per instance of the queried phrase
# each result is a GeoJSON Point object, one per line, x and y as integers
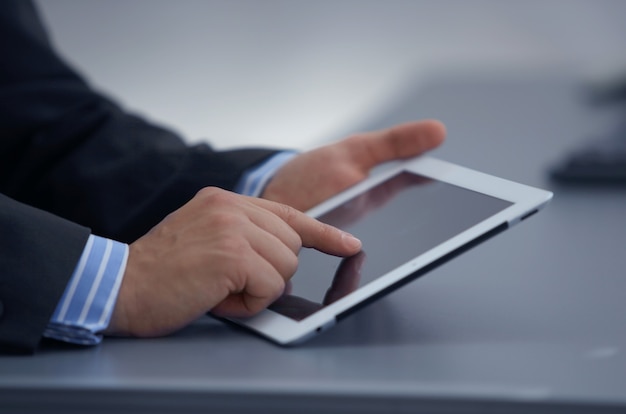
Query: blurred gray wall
{"type": "Point", "coordinates": [293, 73]}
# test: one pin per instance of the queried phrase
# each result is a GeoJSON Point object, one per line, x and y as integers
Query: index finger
{"type": "Point", "coordinates": [312, 232]}
{"type": "Point", "coordinates": [401, 141]}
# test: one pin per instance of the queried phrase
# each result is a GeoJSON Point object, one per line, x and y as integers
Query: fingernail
{"type": "Point", "coordinates": [351, 241]}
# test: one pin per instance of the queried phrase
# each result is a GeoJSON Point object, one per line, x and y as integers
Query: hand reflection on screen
{"type": "Point", "coordinates": [346, 280]}
{"type": "Point", "coordinates": [358, 207]}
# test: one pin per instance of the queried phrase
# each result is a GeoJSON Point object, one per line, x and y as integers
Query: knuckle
{"type": "Point", "coordinates": [225, 219]}
{"type": "Point", "coordinates": [220, 209]}
{"type": "Point", "coordinates": [277, 288]}
{"type": "Point", "coordinates": [234, 246]}
{"type": "Point", "coordinates": [290, 237]}
{"type": "Point", "coordinates": [325, 231]}
{"type": "Point", "coordinates": [207, 192]}
{"type": "Point", "coordinates": [215, 196]}
{"type": "Point", "coordinates": [288, 213]}
{"type": "Point", "coordinates": [291, 265]}
{"type": "Point", "coordinates": [272, 287]}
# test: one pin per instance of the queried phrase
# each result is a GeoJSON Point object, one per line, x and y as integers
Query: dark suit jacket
{"type": "Point", "coordinates": [71, 162]}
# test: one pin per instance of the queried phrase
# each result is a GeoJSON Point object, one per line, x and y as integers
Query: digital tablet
{"type": "Point", "coordinates": [410, 218]}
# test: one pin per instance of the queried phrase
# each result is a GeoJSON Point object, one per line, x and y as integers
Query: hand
{"type": "Point", "coordinates": [314, 176]}
{"type": "Point", "coordinates": [222, 252]}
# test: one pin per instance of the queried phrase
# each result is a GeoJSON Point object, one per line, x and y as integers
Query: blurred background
{"type": "Point", "coordinates": [295, 73]}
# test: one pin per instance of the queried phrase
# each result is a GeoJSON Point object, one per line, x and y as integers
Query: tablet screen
{"type": "Point", "coordinates": [396, 220]}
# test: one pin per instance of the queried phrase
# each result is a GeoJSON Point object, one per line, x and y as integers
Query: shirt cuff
{"type": "Point", "coordinates": [254, 180]}
{"type": "Point", "coordinates": [87, 304]}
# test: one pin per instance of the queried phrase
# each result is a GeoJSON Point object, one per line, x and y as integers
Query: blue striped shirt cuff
{"type": "Point", "coordinates": [253, 181]}
{"type": "Point", "coordinates": [87, 304]}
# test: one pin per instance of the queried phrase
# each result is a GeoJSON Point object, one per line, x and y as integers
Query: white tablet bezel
{"type": "Point", "coordinates": [525, 201]}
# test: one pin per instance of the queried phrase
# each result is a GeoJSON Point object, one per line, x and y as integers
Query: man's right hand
{"type": "Point", "coordinates": [221, 252]}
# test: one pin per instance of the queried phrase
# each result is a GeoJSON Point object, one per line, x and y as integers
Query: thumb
{"type": "Point", "coordinates": [401, 141]}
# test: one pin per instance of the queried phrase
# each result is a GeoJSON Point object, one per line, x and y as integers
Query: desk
{"type": "Point", "coordinates": [532, 319]}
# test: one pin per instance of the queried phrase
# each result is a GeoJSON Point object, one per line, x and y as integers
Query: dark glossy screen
{"type": "Point", "coordinates": [396, 220]}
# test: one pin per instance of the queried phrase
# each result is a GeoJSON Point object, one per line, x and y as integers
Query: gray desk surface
{"type": "Point", "coordinates": [531, 319]}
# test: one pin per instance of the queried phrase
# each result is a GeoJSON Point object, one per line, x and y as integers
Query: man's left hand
{"type": "Point", "coordinates": [312, 177]}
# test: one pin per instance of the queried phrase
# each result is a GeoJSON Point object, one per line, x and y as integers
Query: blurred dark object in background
{"type": "Point", "coordinates": [611, 92]}
{"type": "Point", "coordinates": [602, 159]}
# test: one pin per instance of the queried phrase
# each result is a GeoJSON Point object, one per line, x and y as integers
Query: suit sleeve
{"type": "Point", "coordinates": [73, 162]}
{"type": "Point", "coordinates": [69, 150]}
{"type": "Point", "coordinates": [38, 253]}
